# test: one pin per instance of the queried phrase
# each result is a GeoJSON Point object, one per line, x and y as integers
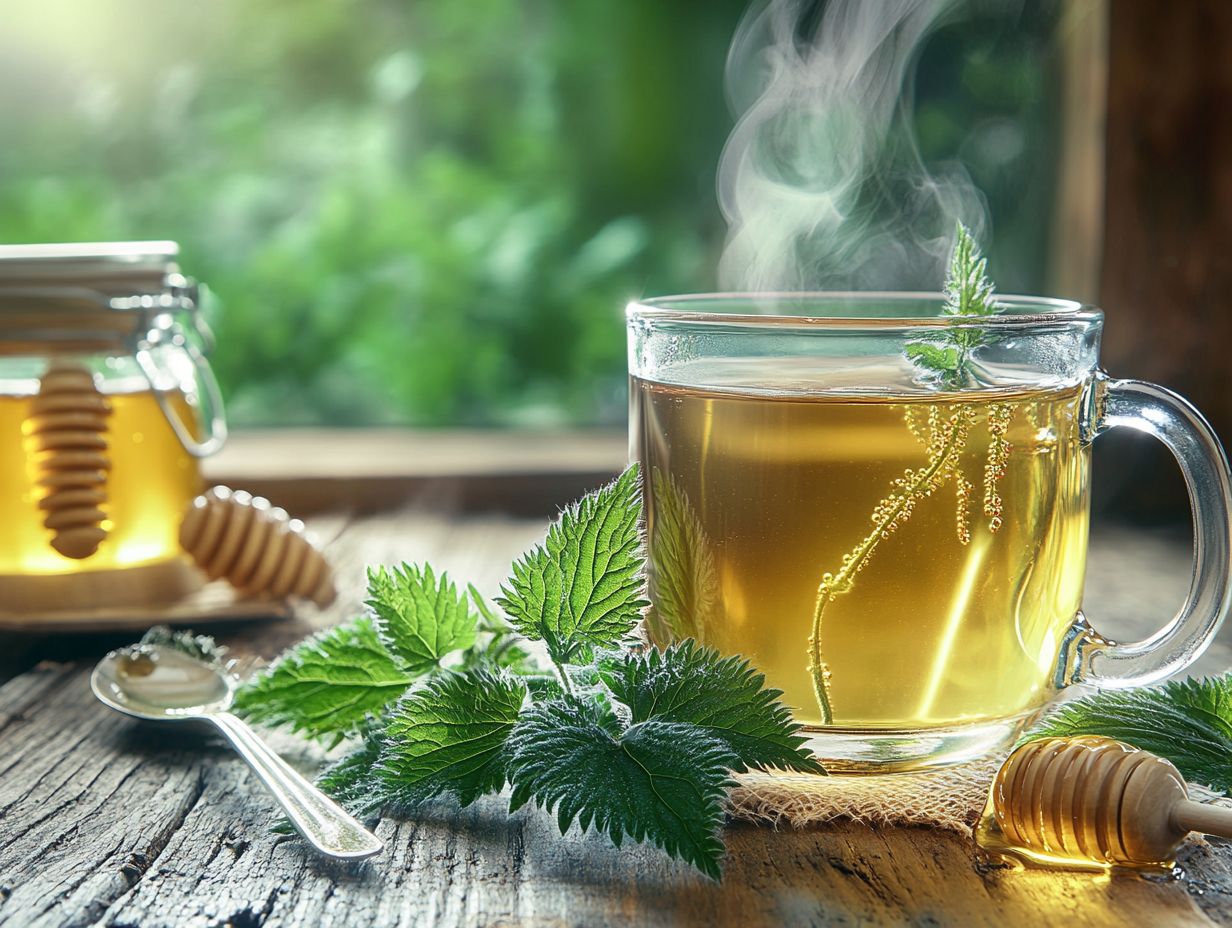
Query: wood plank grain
{"type": "Point", "coordinates": [1136, 581]}
{"type": "Point", "coordinates": [525, 472]}
{"type": "Point", "coordinates": [105, 821]}
{"type": "Point", "coordinates": [84, 808]}
{"type": "Point", "coordinates": [117, 823]}
{"type": "Point", "coordinates": [402, 452]}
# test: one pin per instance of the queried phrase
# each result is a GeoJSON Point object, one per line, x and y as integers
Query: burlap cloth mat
{"type": "Point", "coordinates": [951, 798]}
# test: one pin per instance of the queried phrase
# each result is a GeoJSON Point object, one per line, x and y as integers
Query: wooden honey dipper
{"type": "Point", "coordinates": [1093, 798]}
{"type": "Point", "coordinates": [258, 549]}
{"type": "Point", "coordinates": [67, 430]}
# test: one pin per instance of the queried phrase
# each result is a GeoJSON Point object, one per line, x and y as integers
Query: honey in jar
{"type": "Point", "coordinates": [107, 406]}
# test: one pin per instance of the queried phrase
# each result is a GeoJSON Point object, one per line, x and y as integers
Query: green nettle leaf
{"type": "Point", "coordinates": [448, 735]}
{"type": "Point", "coordinates": [328, 684]}
{"type": "Point", "coordinates": [514, 658]}
{"type": "Point", "coordinates": [724, 695]}
{"type": "Point", "coordinates": [933, 357]}
{"type": "Point", "coordinates": [582, 587]}
{"type": "Point", "coordinates": [420, 618]}
{"type": "Point", "coordinates": [486, 611]}
{"type": "Point", "coordinates": [636, 746]}
{"type": "Point", "coordinates": [544, 686]}
{"type": "Point", "coordinates": [968, 292]}
{"type": "Point", "coordinates": [682, 563]}
{"type": "Point", "coordinates": [352, 781]}
{"type": "Point", "coordinates": [1189, 722]}
{"type": "Point", "coordinates": [657, 781]}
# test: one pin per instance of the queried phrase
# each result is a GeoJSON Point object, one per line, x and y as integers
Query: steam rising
{"type": "Point", "coordinates": [821, 182]}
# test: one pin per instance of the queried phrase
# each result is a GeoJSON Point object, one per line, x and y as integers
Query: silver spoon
{"type": "Point", "coordinates": [162, 684]}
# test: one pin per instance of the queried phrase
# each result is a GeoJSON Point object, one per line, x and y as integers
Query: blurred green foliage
{"type": "Point", "coordinates": [433, 212]}
{"type": "Point", "coordinates": [988, 95]}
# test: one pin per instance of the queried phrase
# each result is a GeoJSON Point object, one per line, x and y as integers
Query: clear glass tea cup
{"type": "Point", "coordinates": [899, 546]}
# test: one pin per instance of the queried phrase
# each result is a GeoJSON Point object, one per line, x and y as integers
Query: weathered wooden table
{"type": "Point", "coordinates": [104, 821]}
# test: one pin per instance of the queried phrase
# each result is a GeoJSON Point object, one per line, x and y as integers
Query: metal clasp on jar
{"type": "Point", "coordinates": [163, 312]}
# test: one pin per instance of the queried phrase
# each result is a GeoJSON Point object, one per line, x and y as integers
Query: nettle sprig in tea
{"type": "Point", "coordinates": [947, 358]}
{"type": "Point", "coordinates": [444, 697]}
{"type": "Point", "coordinates": [968, 292]}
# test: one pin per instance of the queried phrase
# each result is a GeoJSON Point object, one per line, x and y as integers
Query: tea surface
{"type": "Point", "coordinates": [150, 484]}
{"type": "Point", "coordinates": [950, 619]}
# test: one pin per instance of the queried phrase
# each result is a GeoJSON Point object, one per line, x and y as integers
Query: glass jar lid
{"type": "Point", "coordinates": [88, 297]}
{"type": "Point", "coordinates": [113, 298]}
{"type": "Point", "coordinates": [122, 265]}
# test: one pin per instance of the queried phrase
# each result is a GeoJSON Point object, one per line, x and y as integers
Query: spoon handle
{"type": "Point", "coordinates": [317, 817]}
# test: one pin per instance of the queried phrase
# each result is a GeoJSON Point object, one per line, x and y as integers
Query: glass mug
{"type": "Point", "coordinates": [904, 561]}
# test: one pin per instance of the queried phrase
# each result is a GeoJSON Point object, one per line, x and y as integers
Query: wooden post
{"type": "Point", "coordinates": [1078, 220]}
{"type": "Point", "coordinates": [1166, 279]}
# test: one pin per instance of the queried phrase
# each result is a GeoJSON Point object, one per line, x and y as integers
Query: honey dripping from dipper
{"type": "Point", "coordinates": [1092, 803]}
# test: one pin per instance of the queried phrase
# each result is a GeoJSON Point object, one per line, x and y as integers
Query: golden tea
{"type": "Point", "coordinates": [151, 481]}
{"type": "Point", "coordinates": [890, 562]}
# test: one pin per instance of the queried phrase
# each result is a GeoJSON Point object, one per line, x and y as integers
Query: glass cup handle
{"type": "Point", "coordinates": [1146, 407]}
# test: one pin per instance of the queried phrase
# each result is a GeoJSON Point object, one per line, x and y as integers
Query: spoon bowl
{"type": "Point", "coordinates": [161, 684]}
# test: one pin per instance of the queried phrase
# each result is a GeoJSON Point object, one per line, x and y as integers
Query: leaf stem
{"type": "Point", "coordinates": [564, 678]}
{"type": "Point", "coordinates": [884, 522]}
{"type": "Point", "coordinates": [817, 668]}
{"type": "Point", "coordinates": [499, 645]}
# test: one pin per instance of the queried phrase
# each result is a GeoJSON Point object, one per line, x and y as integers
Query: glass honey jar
{"type": "Point", "coordinates": [107, 407]}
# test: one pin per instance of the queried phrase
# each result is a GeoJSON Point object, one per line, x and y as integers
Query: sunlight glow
{"type": "Point", "coordinates": [958, 611]}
